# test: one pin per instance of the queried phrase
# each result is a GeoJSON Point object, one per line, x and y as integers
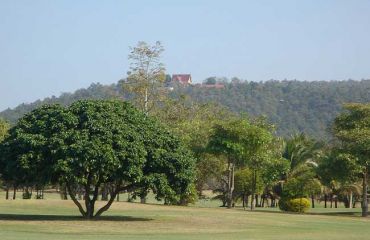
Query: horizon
{"type": "Point", "coordinates": [49, 48]}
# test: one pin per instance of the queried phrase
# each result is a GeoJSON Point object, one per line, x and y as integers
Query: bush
{"type": "Point", "coordinates": [295, 205]}
{"type": "Point", "coordinates": [299, 205]}
{"type": "Point", "coordinates": [283, 204]}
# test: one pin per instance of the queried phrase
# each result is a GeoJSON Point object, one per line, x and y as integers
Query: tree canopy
{"type": "Point", "coordinates": [352, 128]}
{"type": "Point", "coordinates": [96, 142]}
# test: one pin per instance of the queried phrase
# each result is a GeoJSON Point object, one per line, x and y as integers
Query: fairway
{"type": "Point", "coordinates": [57, 219]}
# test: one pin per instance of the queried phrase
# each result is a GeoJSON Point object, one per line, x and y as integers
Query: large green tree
{"type": "Point", "coordinates": [352, 128]}
{"type": "Point", "coordinates": [92, 143]}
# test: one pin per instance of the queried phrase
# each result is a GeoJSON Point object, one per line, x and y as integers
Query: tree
{"type": "Point", "coordinates": [92, 143]}
{"type": "Point", "coordinates": [241, 142]}
{"type": "Point", "coordinates": [342, 168]}
{"type": "Point", "coordinates": [192, 122]}
{"type": "Point", "coordinates": [210, 81]}
{"type": "Point", "coordinates": [352, 129]}
{"type": "Point", "coordinates": [244, 183]}
{"type": "Point", "coordinates": [4, 127]}
{"type": "Point", "coordinates": [146, 76]}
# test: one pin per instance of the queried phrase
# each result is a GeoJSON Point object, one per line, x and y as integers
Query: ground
{"type": "Point", "coordinates": [59, 219]}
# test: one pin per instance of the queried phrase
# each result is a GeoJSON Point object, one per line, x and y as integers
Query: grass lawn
{"type": "Point", "coordinates": [58, 219]}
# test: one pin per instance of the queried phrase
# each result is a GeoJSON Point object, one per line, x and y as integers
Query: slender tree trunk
{"type": "Point", "coordinates": [350, 199]}
{"type": "Point", "coordinates": [313, 200]}
{"type": "Point", "coordinates": [336, 202]}
{"type": "Point", "coordinates": [252, 202]}
{"type": "Point", "coordinates": [247, 201]}
{"type": "Point", "coordinates": [143, 196]}
{"type": "Point", "coordinates": [257, 200]}
{"type": "Point", "coordinates": [146, 102]}
{"type": "Point", "coordinates": [364, 194]}
{"type": "Point", "coordinates": [230, 183]}
{"type": "Point", "coordinates": [117, 197]}
{"type": "Point", "coordinates": [272, 201]}
{"type": "Point", "coordinates": [104, 193]}
{"type": "Point", "coordinates": [331, 201]}
{"type": "Point", "coordinates": [244, 201]}
{"type": "Point", "coordinates": [325, 200]}
{"type": "Point", "coordinates": [7, 193]}
{"type": "Point", "coordinates": [253, 188]}
{"type": "Point", "coordinates": [14, 192]}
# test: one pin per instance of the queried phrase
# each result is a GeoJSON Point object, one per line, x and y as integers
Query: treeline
{"type": "Point", "coordinates": [293, 106]}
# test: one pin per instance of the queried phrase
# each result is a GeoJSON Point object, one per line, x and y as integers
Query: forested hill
{"type": "Point", "coordinates": [293, 106]}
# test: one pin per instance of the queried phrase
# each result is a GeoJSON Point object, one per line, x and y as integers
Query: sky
{"type": "Point", "coordinates": [49, 47]}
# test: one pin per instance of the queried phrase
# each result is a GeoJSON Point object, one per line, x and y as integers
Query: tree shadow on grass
{"type": "Point", "coordinates": [34, 217]}
{"type": "Point", "coordinates": [339, 213]}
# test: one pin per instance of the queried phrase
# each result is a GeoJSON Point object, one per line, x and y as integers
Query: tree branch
{"type": "Point", "coordinates": [112, 197]}
{"type": "Point", "coordinates": [73, 197]}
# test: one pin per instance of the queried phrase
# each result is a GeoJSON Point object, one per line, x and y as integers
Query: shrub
{"type": "Point", "coordinates": [295, 205]}
{"type": "Point", "coordinates": [283, 204]}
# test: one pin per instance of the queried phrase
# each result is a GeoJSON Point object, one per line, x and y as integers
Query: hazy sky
{"type": "Point", "coordinates": [48, 47]}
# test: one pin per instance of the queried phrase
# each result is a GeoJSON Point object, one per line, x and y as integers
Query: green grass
{"type": "Point", "coordinates": [58, 219]}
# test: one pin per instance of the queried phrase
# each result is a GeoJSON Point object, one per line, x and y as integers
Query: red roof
{"type": "Point", "coordinates": [182, 78]}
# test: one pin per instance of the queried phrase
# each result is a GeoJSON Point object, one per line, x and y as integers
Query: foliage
{"type": "Point", "coordinates": [303, 184]}
{"type": "Point", "coordinates": [292, 106]}
{"type": "Point", "coordinates": [146, 75]}
{"type": "Point", "coordinates": [352, 128]}
{"type": "Point", "coordinates": [4, 127]}
{"type": "Point", "coordinates": [92, 143]}
{"type": "Point", "coordinates": [300, 205]}
{"type": "Point", "coordinates": [243, 143]}
{"type": "Point", "coordinates": [338, 166]}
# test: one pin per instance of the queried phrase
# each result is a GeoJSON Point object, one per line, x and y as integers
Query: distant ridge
{"type": "Point", "coordinates": [293, 106]}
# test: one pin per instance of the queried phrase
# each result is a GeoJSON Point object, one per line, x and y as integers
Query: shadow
{"type": "Point", "coordinates": [29, 217]}
{"type": "Point", "coordinates": [344, 214]}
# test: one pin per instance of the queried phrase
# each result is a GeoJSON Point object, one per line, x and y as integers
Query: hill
{"type": "Point", "coordinates": [293, 106]}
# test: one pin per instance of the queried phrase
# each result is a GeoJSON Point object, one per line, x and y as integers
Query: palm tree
{"type": "Point", "coordinates": [300, 150]}
{"type": "Point", "coordinates": [348, 190]}
{"type": "Point", "coordinates": [303, 154]}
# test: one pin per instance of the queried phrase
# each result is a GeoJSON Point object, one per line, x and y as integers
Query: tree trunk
{"type": "Point", "coordinates": [73, 197]}
{"type": "Point", "coordinates": [252, 202]}
{"type": "Point", "coordinates": [325, 200]}
{"type": "Point", "coordinates": [257, 200]}
{"type": "Point", "coordinates": [253, 188]}
{"type": "Point", "coordinates": [313, 201]}
{"type": "Point", "coordinates": [107, 206]}
{"type": "Point", "coordinates": [7, 193]}
{"type": "Point", "coordinates": [350, 199]}
{"type": "Point", "coordinates": [364, 194]}
{"type": "Point", "coordinates": [230, 186]}
{"type": "Point", "coordinates": [336, 202]}
{"type": "Point", "coordinates": [247, 201]}
{"type": "Point", "coordinates": [14, 192]}
{"type": "Point", "coordinates": [244, 201]}
{"type": "Point", "coordinates": [146, 102]}
{"type": "Point", "coordinates": [331, 201]}
{"type": "Point", "coordinates": [104, 193]}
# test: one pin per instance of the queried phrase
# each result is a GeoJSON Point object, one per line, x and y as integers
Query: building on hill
{"type": "Point", "coordinates": [184, 79]}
